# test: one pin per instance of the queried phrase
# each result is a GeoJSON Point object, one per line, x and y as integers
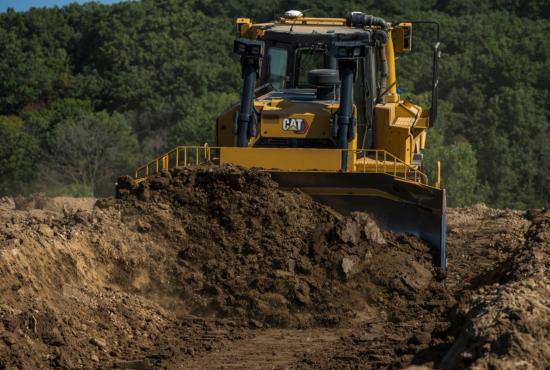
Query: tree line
{"type": "Point", "coordinates": [88, 92]}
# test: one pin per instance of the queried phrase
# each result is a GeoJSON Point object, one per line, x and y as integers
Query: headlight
{"type": "Point", "coordinates": [255, 50]}
{"type": "Point", "coordinates": [348, 50]}
{"type": "Point", "coordinates": [249, 48]}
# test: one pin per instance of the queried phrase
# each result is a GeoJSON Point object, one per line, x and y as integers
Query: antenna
{"type": "Point", "coordinates": [293, 14]}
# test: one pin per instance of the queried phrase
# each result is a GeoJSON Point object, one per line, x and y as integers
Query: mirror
{"type": "Point", "coordinates": [402, 37]}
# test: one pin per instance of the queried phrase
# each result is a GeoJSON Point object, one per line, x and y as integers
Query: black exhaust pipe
{"type": "Point", "coordinates": [346, 120]}
{"type": "Point", "coordinates": [247, 101]}
{"type": "Point", "coordinates": [343, 127]}
{"type": "Point", "coordinates": [251, 52]}
{"type": "Point", "coordinates": [362, 20]}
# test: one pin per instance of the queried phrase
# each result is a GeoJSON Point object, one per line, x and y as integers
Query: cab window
{"type": "Point", "coordinates": [306, 60]}
{"type": "Point", "coordinates": [277, 64]}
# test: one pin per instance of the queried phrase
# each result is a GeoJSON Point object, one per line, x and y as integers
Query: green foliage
{"type": "Point", "coordinates": [192, 128]}
{"type": "Point", "coordinates": [161, 71]}
{"type": "Point", "coordinates": [86, 153]}
{"type": "Point", "coordinates": [459, 164]}
{"type": "Point", "coordinates": [458, 170]}
{"type": "Point", "coordinates": [18, 156]}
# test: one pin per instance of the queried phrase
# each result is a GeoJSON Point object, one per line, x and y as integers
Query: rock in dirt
{"type": "Point", "coordinates": [349, 231]}
{"type": "Point", "coordinates": [348, 266]}
{"type": "Point", "coordinates": [143, 226]}
{"type": "Point", "coordinates": [98, 342]}
{"type": "Point", "coordinates": [46, 230]}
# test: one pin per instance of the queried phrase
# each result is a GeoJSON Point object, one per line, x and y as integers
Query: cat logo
{"type": "Point", "coordinates": [298, 125]}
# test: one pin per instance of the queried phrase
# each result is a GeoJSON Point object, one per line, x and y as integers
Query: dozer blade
{"type": "Point", "coordinates": [400, 206]}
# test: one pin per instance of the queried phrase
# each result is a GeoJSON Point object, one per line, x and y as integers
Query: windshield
{"type": "Point", "coordinates": [306, 60]}
{"type": "Point", "coordinates": [277, 63]}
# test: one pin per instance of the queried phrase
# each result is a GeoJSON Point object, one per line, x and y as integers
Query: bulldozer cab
{"type": "Point", "coordinates": [291, 54]}
{"type": "Point", "coordinates": [297, 54]}
{"type": "Point", "coordinates": [328, 83]}
{"type": "Point", "coordinates": [300, 64]}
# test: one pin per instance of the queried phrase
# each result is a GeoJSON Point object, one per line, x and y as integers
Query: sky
{"type": "Point", "coordinates": [22, 5]}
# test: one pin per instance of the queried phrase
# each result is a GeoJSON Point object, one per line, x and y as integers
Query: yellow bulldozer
{"type": "Point", "coordinates": [320, 111]}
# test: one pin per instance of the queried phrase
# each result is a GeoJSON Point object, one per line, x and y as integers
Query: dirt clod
{"type": "Point", "coordinates": [98, 342]}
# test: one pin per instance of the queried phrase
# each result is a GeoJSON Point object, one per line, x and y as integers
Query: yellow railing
{"type": "Point", "coordinates": [181, 156]}
{"type": "Point", "coordinates": [364, 161]}
{"type": "Point", "coordinates": [381, 161]}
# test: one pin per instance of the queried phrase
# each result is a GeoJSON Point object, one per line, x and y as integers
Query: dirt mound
{"type": "Point", "coordinates": [499, 313]}
{"type": "Point", "coordinates": [180, 264]}
{"type": "Point", "coordinates": [217, 267]}
{"type": "Point", "coordinates": [60, 307]}
{"type": "Point", "coordinates": [241, 248]}
{"type": "Point", "coordinates": [506, 324]}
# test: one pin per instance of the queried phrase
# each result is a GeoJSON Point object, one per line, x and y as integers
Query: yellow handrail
{"type": "Point", "coordinates": [203, 155]}
{"type": "Point", "coordinates": [415, 174]}
{"type": "Point", "coordinates": [171, 159]}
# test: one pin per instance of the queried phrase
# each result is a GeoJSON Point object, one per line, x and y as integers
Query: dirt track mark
{"type": "Point", "coordinates": [484, 238]}
{"type": "Point", "coordinates": [269, 349]}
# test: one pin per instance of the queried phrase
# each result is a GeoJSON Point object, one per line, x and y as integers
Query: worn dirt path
{"type": "Point", "coordinates": [269, 349]}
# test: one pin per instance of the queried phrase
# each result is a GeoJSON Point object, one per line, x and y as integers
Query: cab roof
{"type": "Point", "coordinates": [303, 30]}
{"type": "Point", "coordinates": [314, 33]}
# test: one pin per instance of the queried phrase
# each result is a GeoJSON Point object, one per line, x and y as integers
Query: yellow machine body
{"type": "Point", "coordinates": [400, 124]}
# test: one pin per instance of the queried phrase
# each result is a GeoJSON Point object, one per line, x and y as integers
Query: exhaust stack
{"type": "Point", "coordinates": [251, 52]}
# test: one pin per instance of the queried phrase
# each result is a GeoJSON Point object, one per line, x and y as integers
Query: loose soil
{"type": "Point", "coordinates": [217, 268]}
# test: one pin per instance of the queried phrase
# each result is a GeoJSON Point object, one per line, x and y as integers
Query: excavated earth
{"type": "Point", "coordinates": [213, 268]}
